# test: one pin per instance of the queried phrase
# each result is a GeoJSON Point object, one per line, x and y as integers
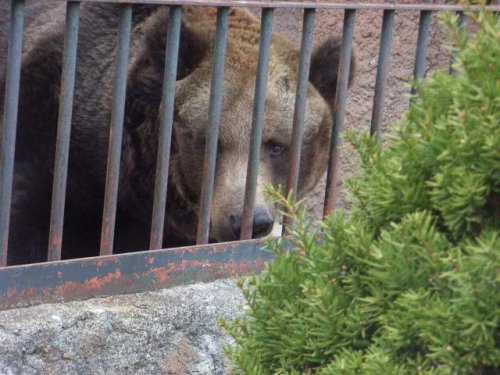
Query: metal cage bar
{"type": "Point", "coordinates": [461, 24]}
{"type": "Point", "coordinates": [382, 70]}
{"type": "Point", "coordinates": [339, 109]}
{"type": "Point", "coordinates": [421, 52]}
{"type": "Point", "coordinates": [213, 128]}
{"type": "Point", "coordinates": [306, 47]}
{"type": "Point", "coordinates": [116, 130]}
{"type": "Point", "coordinates": [257, 122]}
{"type": "Point", "coordinates": [11, 102]}
{"type": "Point", "coordinates": [165, 132]}
{"type": "Point", "coordinates": [27, 285]}
{"type": "Point", "coordinates": [63, 131]}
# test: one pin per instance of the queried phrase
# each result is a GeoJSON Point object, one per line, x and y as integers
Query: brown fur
{"type": "Point", "coordinates": [42, 58]}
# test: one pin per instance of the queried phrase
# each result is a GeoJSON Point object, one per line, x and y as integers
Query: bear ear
{"type": "Point", "coordinates": [193, 44]}
{"type": "Point", "coordinates": [324, 68]}
{"type": "Point", "coordinates": [145, 78]}
{"type": "Point", "coordinates": [193, 48]}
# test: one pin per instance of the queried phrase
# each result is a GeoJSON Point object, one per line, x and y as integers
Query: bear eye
{"type": "Point", "coordinates": [275, 149]}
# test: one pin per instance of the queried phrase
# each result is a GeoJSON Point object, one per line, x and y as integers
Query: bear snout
{"type": "Point", "coordinates": [262, 222]}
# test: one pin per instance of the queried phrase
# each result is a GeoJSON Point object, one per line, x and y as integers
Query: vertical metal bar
{"type": "Point", "coordinates": [13, 75]}
{"type": "Point", "coordinates": [382, 70]}
{"type": "Point", "coordinates": [116, 130]}
{"type": "Point", "coordinates": [339, 108]}
{"type": "Point", "coordinates": [461, 22]}
{"type": "Point", "coordinates": [257, 121]}
{"type": "Point", "coordinates": [300, 105]}
{"type": "Point", "coordinates": [213, 129]}
{"type": "Point", "coordinates": [63, 131]}
{"type": "Point", "coordinates": [165, 131]}
{"type": "Point", "coordinates": [422, 41]}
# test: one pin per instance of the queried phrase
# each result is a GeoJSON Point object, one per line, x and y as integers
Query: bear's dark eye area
{"type": "Point", "coordinates": [275, 149]}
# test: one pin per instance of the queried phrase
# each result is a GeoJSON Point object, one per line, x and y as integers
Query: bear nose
{"type": "Point", "coordinates": [262, 222]}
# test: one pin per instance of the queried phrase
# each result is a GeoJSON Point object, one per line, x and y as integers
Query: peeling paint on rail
{"type": "Point", "coordinates": [22, 286]}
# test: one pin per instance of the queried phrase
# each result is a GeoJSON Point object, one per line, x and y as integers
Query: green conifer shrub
{"type": "Point", "coordinates": [408, 282]}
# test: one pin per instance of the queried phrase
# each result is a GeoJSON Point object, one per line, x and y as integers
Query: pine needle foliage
{"type": "Point", "coordinates": [408, 282]}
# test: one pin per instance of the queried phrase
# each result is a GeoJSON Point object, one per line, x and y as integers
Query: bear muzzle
{"type": "Point", "coordinates": [262, 222]}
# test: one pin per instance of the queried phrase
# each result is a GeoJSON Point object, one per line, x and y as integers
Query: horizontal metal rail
{"type": "Point", "coordinates": [33, 284]}
{"type": "Point", "coordinates": [303, 5]}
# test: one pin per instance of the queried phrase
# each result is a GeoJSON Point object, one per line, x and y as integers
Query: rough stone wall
{"type": "Point", "coordinates": [173, 332]}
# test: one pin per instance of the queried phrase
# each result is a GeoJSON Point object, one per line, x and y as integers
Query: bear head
{"type": "Point", "coordinates": [191, 117]}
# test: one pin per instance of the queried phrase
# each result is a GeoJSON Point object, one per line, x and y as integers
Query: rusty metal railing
{"type": "Point", "coordinates": [111, 274]}
{"type": "Point", "coordinates": [63, 132]}
{"type": "Point", "coordinates": [214, 110]}
{"type": "Point", "coordinates": [13, 76]}
{"type": "Point", "coordinates": [339, 109]}
{"type": "Point", "coordinates": [165, 136]}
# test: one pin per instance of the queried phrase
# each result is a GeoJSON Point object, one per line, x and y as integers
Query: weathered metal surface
{"type": "Point", "coordinates": [355, 5]}
{"type": "Point", "coordinates": [165, 132]}
{"type": "Point", "coordinates": [257, 122]}
{"type": "Point", "coordinates": [382, 70]}
{"type": "Point", "coordinates": [306, 46]}
{"type": "Point", "coordinates": [213, 128]}
{"type": "Point", "coordinates": [421, 52]}
{"type": "Point", "coordinates": [339, 109]}
{"type": "Point", "coordinates": [33, 284]}
{"type": "Point", "coordinates": [116, 130]}
{"type": "Point", "coordinates": [461, 23]}
{"type": "Point", "coordinates": [63, 132]}
{"type": "Point", "coordinates": [10, 104]}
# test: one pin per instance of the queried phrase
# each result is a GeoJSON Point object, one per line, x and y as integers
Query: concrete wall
{"type": "Point", "coordinates": [174, 332]}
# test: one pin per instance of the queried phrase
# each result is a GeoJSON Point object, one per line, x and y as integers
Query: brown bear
{"type": "Point", "coordinates": [38, 111]}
